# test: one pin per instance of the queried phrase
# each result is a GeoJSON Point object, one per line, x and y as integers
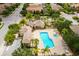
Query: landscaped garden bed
{"type": "Point", "coordinates": [69, 36]}
{"type": "Point", "coordinates": [10, 35]}
{"type": "Point", "coordinates": [67, 8]}
{"type": "Point", "coordinates": [13, 29]}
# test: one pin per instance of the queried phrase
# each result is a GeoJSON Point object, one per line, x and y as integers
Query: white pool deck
{"type": "Point", "coordinates": [58, 42]}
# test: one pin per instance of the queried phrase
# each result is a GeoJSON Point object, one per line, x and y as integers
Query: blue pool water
{"type": "Point", "coordinates": [46, 40]}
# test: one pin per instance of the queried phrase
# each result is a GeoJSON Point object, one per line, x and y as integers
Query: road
{"type": "Point", "coordinates": [15, 17]}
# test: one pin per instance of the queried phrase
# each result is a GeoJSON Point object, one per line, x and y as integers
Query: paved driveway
{"type": "Point", "coordinates": [15, 17]}
{"type": "Point", "coordinates": [69, 17]}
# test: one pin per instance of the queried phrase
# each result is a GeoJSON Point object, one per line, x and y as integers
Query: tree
{"type": "Point", "coordinates": [9, 10]}
{"type": "Point", "coordinates": [62, 23]}
{"type": "Point", "coordinates": [24, 11]}
{"type": "Point", "coordinates": [34, 42]}
{"type": "Point", "coordinates": [0, 19]}
{"type": "Point", "coordinates": [55, 14]}
{"type": "Point", "coordinates": [46, 51]}
{"type": "Point", "coordinates": [37, 16]}
{"type": "Point", "coordinates": [9, 38]}
{"type": "Point", "coordinates": [35, 51]}
{"type": "Point", "coordinates": [64, 31]}
{"type": "Point", "coordinates": [47, 9]}
{"type": "Point", "coordinates": [23, 21]}
{"type": "Point", "coordinates": [29, 15]}
{"type": "Point", "coordinates": [14, 28]}
{"type": "Point", "coordinates": [23, 52]}
{"type": "Point", "coordinates": [67, 8]}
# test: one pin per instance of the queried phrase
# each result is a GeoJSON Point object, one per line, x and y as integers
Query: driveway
{"type": "Point", "coordinates": [66, 16]}
{"type": "Point", "coordinates": [69, 17]}
{"type": "Point", "coordinates": [15, 17]}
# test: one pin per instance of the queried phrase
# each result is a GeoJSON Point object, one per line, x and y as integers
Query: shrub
{"type": "Point", "coordinates": [67, 8]}
{"type": "Point", "coordinates": [0, 19]}
{"type": "Point", "coordinates": [69, 36]}
{"type": "Point", "coordinates": [9, 38]}
{"type": "Point", "coordinates": [61, 23]}
{"type": "Point", "coordinates": [23, 21]}
{"type": "Point", "coordinates": [23, 52]}
{"type": "Point", "coordinates": [9, 10]}
{"type": "Point", "coordinates": [75, 17]}
{"type": "Point", "coordinates": [47, 9]}
{"type": "Point", "coordinates": [29, 15]}
{"type": "Point", "coordinates": [24, 11]}
{"type": "Point", "coordinates": [0, 23]}
{"type": "Point", "coordinates": [14, 28]}
{"type": "Point", "coordinates": [55, 14]}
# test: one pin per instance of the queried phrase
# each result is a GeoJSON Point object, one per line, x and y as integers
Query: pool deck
{"type": "Point", "coordinates": [58, 42]}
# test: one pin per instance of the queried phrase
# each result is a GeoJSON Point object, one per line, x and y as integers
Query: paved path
{"type": "Point", "coordinates": [69, 17]}
{"type": "Point", "coordinates": [66, 16]}
{"type": "Point", "coordinates": [15, 17]}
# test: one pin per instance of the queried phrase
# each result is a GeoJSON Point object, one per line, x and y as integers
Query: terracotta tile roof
{"type": "Point", "coordinates": [36, 23]}
{"type": "Point", "coordinates": [3, 6]}
{"type": "Point", "coordinates": [27, 34]}
{"type": "Point", "coordinates": [34, 7]}
{"type": "Point", "coordinates": [55, 7]}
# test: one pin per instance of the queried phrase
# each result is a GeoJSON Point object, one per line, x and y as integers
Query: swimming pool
{"type": "Point", "coordinates": [46, 40]}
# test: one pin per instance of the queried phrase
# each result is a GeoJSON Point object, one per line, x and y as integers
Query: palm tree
{"type": "Point", "coordinates": [23, 21]}
{"type": "Point", "coordinates": [46, 51]}
{"type": "Point", "coordinates": [36, 51]}
{"type": "Point", "coordinates": [34, 42]}
{"type": "Point", "coordinates": [64, 31]}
